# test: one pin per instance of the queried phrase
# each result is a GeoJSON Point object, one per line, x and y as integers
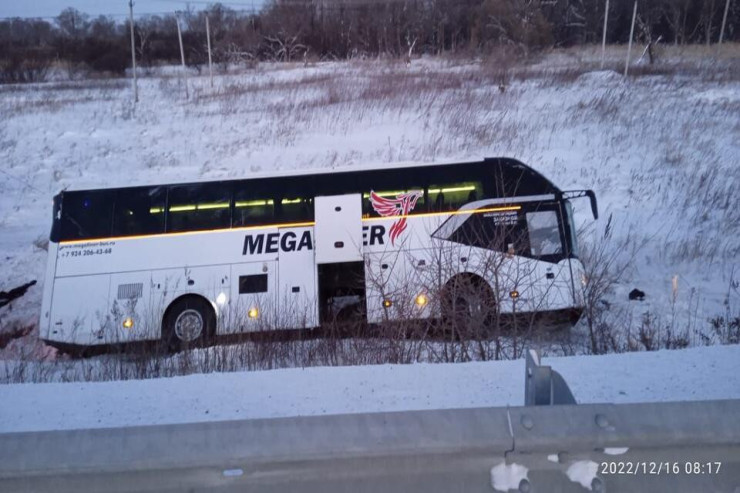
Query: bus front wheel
{"type": "Point", "coordinates": [468, 307]}
{"type": "Point", "coordinates": [190, 321]}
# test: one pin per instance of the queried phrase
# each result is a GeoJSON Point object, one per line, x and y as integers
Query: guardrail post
{"type": "Point", "coordinates": [543, 386]}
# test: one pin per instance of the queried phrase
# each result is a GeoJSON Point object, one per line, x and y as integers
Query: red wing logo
{"type": "Point", "coordinates": [400, 206]}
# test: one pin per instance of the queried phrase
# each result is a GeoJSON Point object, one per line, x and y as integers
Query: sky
{"type": "Point", "coordinates": [115, 8]}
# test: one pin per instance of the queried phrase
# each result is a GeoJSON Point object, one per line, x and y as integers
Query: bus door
{"type": "Point", "coordinates": [339, 257]}
{"type": "Point", "coordinates": [297, 279]}
{"type": "Point", "coordinates": [550, 279]}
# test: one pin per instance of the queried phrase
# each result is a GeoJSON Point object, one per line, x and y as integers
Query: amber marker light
{"type": "Point", "coordinates": [514, 294]}
{"type": "Point", "coordinates": [387, 303]}
{"type": "Point", "coordinates": [128, 323]}
{"type": "Point", "coordinates": [421, 300]}
{"type": "Point", "coordinates": [253, 313]}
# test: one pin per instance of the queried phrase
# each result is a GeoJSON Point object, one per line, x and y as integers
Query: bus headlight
{"type": "Point", "coordinates": [253, 313]}
{"type": "Point", "coordinates": [421, 300]}
{"type": "Point", "coordinates": [128, 323]}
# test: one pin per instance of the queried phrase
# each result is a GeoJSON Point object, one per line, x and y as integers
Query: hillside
{"type": "Point", "coordinates": [660, 149]}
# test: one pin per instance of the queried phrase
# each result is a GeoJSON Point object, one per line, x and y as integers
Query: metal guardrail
{"type": "Point", "coordinates": [541, 448]}
{"type": "Point", "coordinates": [551, 444]}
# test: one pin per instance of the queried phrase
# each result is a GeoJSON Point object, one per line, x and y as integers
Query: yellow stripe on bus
{"type": "Point", "coordinates": [449, 213]}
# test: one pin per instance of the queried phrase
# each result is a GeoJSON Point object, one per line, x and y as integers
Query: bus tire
{"type": "Point", "coordinates": [468, 307]}
{"type": "Point", "coordinates": [189, 322]}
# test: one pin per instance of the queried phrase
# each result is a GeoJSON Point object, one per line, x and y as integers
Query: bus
{"type": "Point", "coordinates": [185, 262]}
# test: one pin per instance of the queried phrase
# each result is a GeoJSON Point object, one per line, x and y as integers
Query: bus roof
{"type": "Point", "coordinates": [525, 172]}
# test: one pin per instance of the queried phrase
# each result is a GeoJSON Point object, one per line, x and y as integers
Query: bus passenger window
{"type": "Point", "coordinates": [396, 198]}
{"type": "Point", "coordinates": [295, 210]}
{"type": "Point", "coordinates": [439, 202]}
{"type": "Point", "coordinates": [251, 211]}
{"type": "Point", "coordinates": [139, 211]}
{"type": "Point", "coordinates": [452, 196]}
{"type": "Point", "coordinates": [86, 214]}
{"type": "Point", "coordinates": [544, 235]}
{"type": "Point", "coordinates": [199, 207]}
{"type": "Point", "coordinates": [503, 232]}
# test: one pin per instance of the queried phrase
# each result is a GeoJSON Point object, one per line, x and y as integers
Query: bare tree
{"type": "Point", "coordinates": [73, 23]}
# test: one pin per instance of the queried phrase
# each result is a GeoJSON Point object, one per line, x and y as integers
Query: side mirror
{"type": "Point", "coordinates": [594, 207]}
{"type": "Point", "coordinates": [574, 194]}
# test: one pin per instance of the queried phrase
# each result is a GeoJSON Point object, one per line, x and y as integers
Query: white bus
{"type": "Point", "coordinates": [187, 261]}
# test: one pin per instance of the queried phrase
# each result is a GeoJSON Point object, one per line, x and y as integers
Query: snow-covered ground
{"type": "Point", "coordinates": [661, 151]}
{"type": "Point", "coordinates": [682, 375]}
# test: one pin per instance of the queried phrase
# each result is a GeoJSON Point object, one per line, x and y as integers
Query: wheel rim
{"type": "Point", "coordinates": [469, 310]}
{"type": "Point", "coordinates": [189, 325]}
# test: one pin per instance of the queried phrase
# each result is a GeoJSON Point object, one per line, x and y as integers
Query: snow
{"type": "Point", "coordinates": [505, 477]}
{"type": "Point", "coordinates": [660, 151]}
{"type": "Point", "coordinates": [702, 373]}
{"type": "Point", "coordinates": [233, 473]}
{"type": "Point", "coordinates": [583, 472]}
{"type": "Point", "coordinates": [616, 450]}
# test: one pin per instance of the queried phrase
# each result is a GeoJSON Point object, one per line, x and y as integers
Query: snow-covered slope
{"type": "Point", "coordinates": [661, 151]}
{"type": "Point", "coordinates": [682, 375]}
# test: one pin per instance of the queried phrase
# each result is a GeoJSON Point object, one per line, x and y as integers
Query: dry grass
{"type": "Point", "coordinates": [533, 110]}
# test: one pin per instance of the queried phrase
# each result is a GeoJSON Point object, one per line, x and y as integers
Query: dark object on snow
{"type": "Point", "coordinates": [636, 294]}
{"type": "Point", "coordinates": [8, 296]}
{"type": "Point", "coordinates": [14, 333]}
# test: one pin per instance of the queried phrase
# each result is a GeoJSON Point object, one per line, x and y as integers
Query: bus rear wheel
{"type": "Point", "coordinates": [190, 322]}
{"type": "Point", "coordinates": [468, 307]}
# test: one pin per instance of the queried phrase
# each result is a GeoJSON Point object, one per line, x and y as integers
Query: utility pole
{"type": "Point", "coordinates": [603, 38]}
{"type": "Point", "coordinates": [724, 21]}
{"type": "Point", "coordinates": [182, 55]}
{"type": "Point", "coordinates": [133, 47]}
{"type": "Point", "coordinates": [632, 32]}
{"type": "Point", "coordinates": [210, 61]}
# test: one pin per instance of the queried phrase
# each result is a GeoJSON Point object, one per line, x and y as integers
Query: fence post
{"type": "Point", "coordinates": [210, 60]}
{"type": "Point", "coordinates": [603, 38]}
{"type": "Point", "coordinates": [182, 56]}
{"type": "Point", "coordinates": [632, 32]}
{"type": "Point", "coordinates": [133, 48]}
{"type": "Point", "coordinates": [724, 21]}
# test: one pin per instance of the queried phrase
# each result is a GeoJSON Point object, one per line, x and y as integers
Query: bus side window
{"type": "Point", "coordinates": [368, 209]}
{"type": "Point", "coordinates": [503, 232]}
{"type": "Point", "coordinates": [515, 239]}
{"type": "Point", "coordinates": [452, 196]}
{"type": "Point", "coordinates": [87, 214]}
{"type": "Point", "coordinates": [295, 210]}
{"type": "Point", "coordinates": [544, 234]}
{"type": "Point", "coordinates": [199, 207]}
{"type": "Point", "coordinates": [252, 208]}
{"type": "Point", "coordinates": [439, 202]}
{"type": "Point", "coordinates": [139, 211]}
